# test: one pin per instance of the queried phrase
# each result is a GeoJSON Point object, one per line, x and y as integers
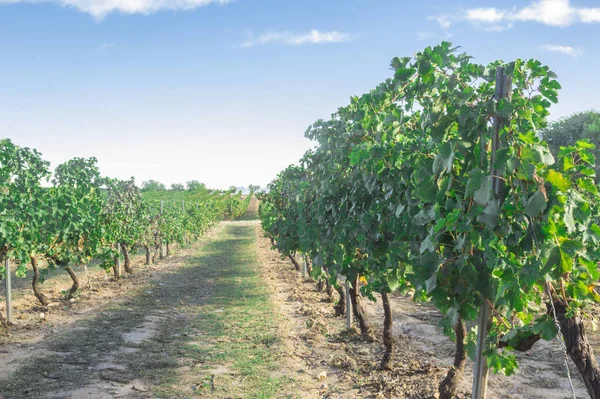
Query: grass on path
{"type": "Point", "coordinates": [203, 329]}
{"type": "Point", "coordinates": [234, 328]}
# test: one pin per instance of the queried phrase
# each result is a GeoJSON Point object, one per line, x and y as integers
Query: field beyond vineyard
{"type": "Point", "coordinates": [204, 324]}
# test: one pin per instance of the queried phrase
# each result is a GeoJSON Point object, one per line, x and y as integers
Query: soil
{"type": "Point", "coordinates": [75, 349]}
{"type": "Point", "coordinates": [134, 338]}
{"type": "Point", "coordinates": [423, 353]}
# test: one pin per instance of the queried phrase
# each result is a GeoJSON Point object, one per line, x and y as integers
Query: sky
{"type": "Point", "coordinates": [222, 91]}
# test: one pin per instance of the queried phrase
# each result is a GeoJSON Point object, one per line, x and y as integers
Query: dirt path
{"type": "Point", "coordinates": [202, 327]}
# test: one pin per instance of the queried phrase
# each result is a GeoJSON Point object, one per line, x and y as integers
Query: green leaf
{"type": "Point", "coordinates": [318, 260]}
{"type": "Point", "coordinates": [545, 327]}
{"type": "Point", "coordinates": [431, 283]}
{"type": "Point", "coordinates": [558, 180]}
{"type": "Point", "coordinates": [476, 177]}
{"type": "Point", "coordinates": [588, 185]}
{"type": "Point", "coordinates": [490, 215]}
{"type": "Point", "coordinates": [536, 204]}
{"type": "Point", "coordinates": [428, 244]}
{"type": "Point", "coordinates": [443, 161]}
{"type": "Point", "coordinates": [483, 194]}
{"type": "Point", "coordinates": [393, 282]}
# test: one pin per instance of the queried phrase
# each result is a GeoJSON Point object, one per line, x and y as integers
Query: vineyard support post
{"type": "Point", "coordinates": [8, 291]}
{"type": "Point", "coordinates": [480, 369]}
{"type": "Point", "coordinates": [162, 249]}
{"type": "Point", "coordinates": [305, 268]}
{"type": "Point", "coordinates": [348, 307]}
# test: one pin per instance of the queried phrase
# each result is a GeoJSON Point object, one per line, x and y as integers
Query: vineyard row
{"type": "Point", "coordinates": [75, 215]}
{"type": "Point", "coordinates": [436, 184]}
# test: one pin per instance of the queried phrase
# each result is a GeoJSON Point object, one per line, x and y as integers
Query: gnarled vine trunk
{"type": "Point", "coordinates": [320, 285]}
{"type": "Point", "coordinates": [35, 282]}
{"type": "Point", "coordinates": [168, 249]}
{"type": "Point", "coordinates": [157, 254]}
{"type": "Point", "coordinates": [75, 279]}
{"type": "Point", "coordinates": [117, 268]}
{"type": "Point", "coordinates": [328, 288]}
{"type": "Point", "coordinates": [126, 259]}
{"type": "Point", "coordinates": [147, 249]}
{"type": "Point", "coordinates": [579, 349]}
{"type": "Point", "coordinates": [294, 262]}
{"type": "Point", "coordinates": [340, 307]}
{"type": "Point", "coordinates": [359, 312]}
{"type": "Point", "coordinates": [449, 385]}
{"type": "Point", "coordinates": [388, 337]}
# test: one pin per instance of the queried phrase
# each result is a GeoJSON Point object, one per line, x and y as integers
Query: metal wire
{"type": "Point", "coordinates": [559, 335]}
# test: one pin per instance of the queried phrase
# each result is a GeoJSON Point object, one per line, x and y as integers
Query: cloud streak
{"type": "Point", "coordinates": [100, 8]}
{"type": "Point", "coordinates": [568, 50]}
{"type": "Point", "coordinates": [291, 39]}
{"type": "Point", "coordinates": [558, 13]}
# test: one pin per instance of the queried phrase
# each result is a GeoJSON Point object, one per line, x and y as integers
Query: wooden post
{"type": "Point", "coordinates": [480, 369]}
{"type": "Point", "coordinates": [348, 307]}
{"type": "Point", "coordinates": [305, 268]}
{"type": "Point", "coordinates": [162, 249]}
{"type": "Point", "coordinates": [9, 318]}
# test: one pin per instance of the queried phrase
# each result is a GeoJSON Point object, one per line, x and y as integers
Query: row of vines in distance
{"type": "Point", "coordinates": [398, 192]}
{"type": "Point", "coordinates": [75, 215]}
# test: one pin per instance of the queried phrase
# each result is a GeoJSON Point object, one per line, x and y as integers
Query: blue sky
{"type": "Point", "coordinates": [222, 91]}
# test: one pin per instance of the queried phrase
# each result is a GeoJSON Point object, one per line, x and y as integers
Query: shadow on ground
{"type": "Point", "coordinates": [161, 338]}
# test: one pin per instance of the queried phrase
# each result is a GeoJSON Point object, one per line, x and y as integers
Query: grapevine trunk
{"type": "Point", "coordinates": [449, 385]}
{"type": "Point", "coordinates": [35, 282]}
{"type": "Point", "coordinates": [126, 259]}
{"type": "Point", "coordinates": [340, 307]}
{"type": "Point", "coordinates": [579, 349]}
{"type": "Point", "coordinates": [359, 312]}
{"type": "Point", "coordinates": [328, 287]}
{"type": "Point", "coordinates": [388, 338]}
{"type": "Point", "coordinates": [147, 249]}
{"type": "Point", "coordinates": [75, 279]}
{"type": "Point", "coordinates": [295, 262]}
{"type": "Point", "coordinates": [117, 268]}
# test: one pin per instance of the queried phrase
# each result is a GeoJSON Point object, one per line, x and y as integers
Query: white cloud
{"type": "Point", "coordinates": [559, 13]}
{"type": "Point", "coordinates": [490, 15]}
{"type": "Point", "coordinates": [288, 38]}
{"type": "Point", "coordinates": [568, 50]}
{"type": "Point", "coordinates": [100, 8]}
{"type": "Point", "coordinates": [548, 12]}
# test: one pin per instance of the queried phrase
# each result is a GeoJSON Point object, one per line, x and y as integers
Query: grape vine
{"type": "Point", "coordinates": [399, 192]}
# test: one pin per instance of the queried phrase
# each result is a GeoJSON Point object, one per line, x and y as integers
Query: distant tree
{"type": "Point", "coordinates": [253, 188]}
{"type": "Point", "coordinates": [568, 130]}
{"type": "Point", "coordinates": [153, 185]}
{"type": "Point", "coordinates": [177, 187]}
{"type": "Point", "coordinates": [194, 185]}
{"type": "Point", "coordinates": [233, 188]}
